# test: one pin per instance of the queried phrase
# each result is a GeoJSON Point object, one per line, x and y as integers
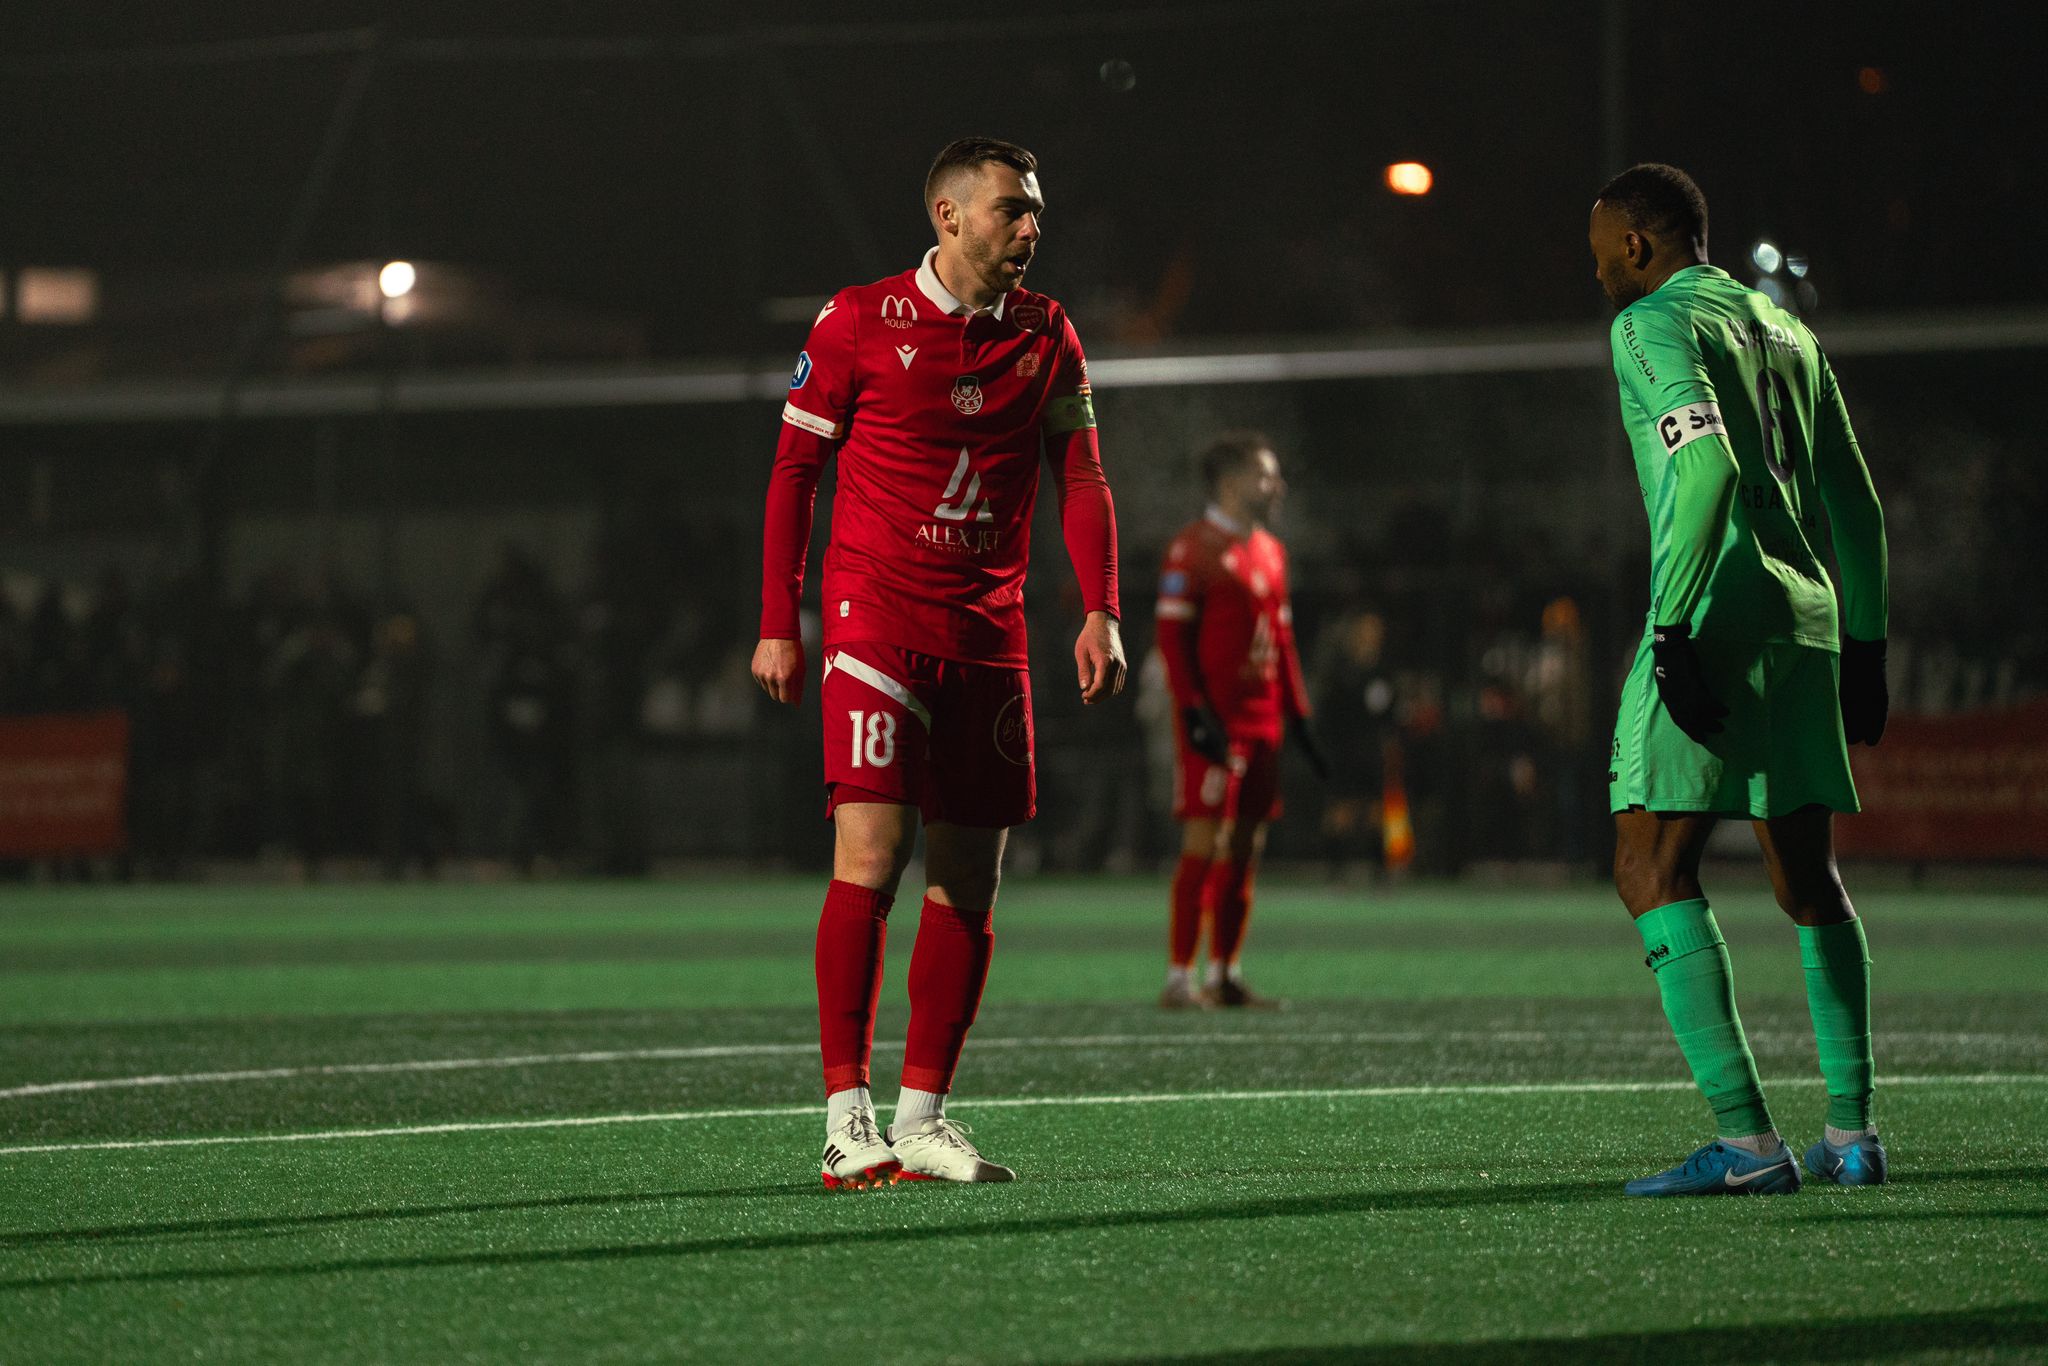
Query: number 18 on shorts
{"type": "Point", "coordinates": [910, 729]}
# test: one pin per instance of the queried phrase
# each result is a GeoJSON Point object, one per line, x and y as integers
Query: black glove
{"type": "Point", "coordinates": [1682, 684]}
{"type": "Point", "coordinates": [1866, 701]}
{"type": "Point", "coordinates": [1205, 734]}
{"type": "Point", "coordinates": [1311, 748]}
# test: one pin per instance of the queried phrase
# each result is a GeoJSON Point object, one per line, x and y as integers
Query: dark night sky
{"type": "Point", "coordinates": [680, 184]}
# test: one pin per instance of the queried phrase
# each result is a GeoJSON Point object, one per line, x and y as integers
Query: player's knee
{"type": "Point", "coordinates": [871, 862]}
{"type": "Point", "coordinates": [1625, 860]}
{"type": "Point", "coordinates": [1641, 880]}
{"type": "Point", "coordinates": [975, 890]}
{"type": "Point", "coordinates": [1817, 900]}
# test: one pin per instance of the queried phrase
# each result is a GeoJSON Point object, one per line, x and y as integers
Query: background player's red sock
{"type": "Point", "coordinates": [849, 961]}
{"type": "Point", "coordinates": [1230, 901]}
{"type": "Point", "coordinates": [948, 968]}
{"type": "Point", "coordinates": [1189, 877]}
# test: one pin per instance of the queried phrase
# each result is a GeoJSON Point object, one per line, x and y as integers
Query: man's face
{"type": "Point", "coordinates": [998, 214]}
{"type": "Point", "coordinates": [1608, 234]}
{"type": "Point", "coordinates": [1259, 485]}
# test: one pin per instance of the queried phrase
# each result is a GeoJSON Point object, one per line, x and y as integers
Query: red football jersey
{"type": "Point", "coordinates": [939, 416]}
{"type": "Point", "coordinates": [1226, 629]}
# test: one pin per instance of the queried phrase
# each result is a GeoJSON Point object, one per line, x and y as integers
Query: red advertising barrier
{"type": "Point", "coordinates": [1941, 788]}
{"type": "Point", "coordinates": [63, 784]}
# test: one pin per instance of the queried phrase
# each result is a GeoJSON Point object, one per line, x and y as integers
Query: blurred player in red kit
{"type": "Point", "coordinates": [939, 391]}
{"type": "Point", "coordinates": [1226, 633]}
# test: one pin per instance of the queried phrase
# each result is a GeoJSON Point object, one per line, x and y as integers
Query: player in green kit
{"type": "Point", "coordinates": [1746, 691]}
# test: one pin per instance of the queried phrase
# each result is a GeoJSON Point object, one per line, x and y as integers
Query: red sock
{"type": "Point", "coordinates": [1186, 931]}
{"type": "Point", "coordinates": [948, 968]}
{"type": "Point", "coordinates": [850, 935]}
{"type": "Point", "coordinates": [1230, 900]}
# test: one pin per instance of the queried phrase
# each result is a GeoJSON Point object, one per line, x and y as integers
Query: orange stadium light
{"type": "Point", "coordinates": [1409, 177]}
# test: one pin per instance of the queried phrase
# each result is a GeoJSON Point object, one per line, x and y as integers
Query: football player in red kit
{"type": "Point", "coordinates": [939, 391]}
{"type": "Point", "coordinates": [1226, 633]}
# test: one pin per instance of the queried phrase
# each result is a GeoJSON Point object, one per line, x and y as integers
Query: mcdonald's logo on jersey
{"type": "Point", "coordinates": [898, 311]}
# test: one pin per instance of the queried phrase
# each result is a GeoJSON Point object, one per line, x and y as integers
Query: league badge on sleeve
{"type": "Point", "coordinates": [802, 371]}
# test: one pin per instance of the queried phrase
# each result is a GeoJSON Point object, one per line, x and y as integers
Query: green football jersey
{"type": "Point", "coordinates": [1741, 440]}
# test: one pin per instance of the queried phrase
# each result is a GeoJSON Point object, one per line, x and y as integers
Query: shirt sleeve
{"type": "Point", "coordinates": [1293, 685]}
{"type": "Point", "coordinates": [1659, 365]}
{"type": "Point", "coordinates": [1087, 512]}
{"type": "Point", "coordinates": [1854, 515]}
{"type": "Point", "coordinates": [814, 419]}
{"type": "Point", "coordinates": [1178, 621]}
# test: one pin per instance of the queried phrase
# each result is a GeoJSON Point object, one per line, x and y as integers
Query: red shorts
{"type": "Point", "coordinates": [910, 729]}
{"type": "Point", "coordinates": [1245, 790]}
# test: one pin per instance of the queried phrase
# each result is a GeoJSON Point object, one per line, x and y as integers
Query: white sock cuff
{"type": "Point", "coordinates": [840, 1104]}
{"type": "Point", "coordinates": [914, 1106]}
{"type": "Point", "coordinates": [1763, 1145]}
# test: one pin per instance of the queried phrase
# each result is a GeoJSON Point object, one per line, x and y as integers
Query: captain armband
{"type": "Point", "coordinates": [1075, 412]}
{"type": "Point", "coordinates": [1681, 427]}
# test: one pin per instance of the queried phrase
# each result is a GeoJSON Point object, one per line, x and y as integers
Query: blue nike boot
{"type": "Point", "coordinates": [1861, 1163]}
{"type": "Point", "coordinates": [1719, 1169]}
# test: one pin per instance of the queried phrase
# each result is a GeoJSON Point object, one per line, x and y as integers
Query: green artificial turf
{"type": "Point", "coordinates": [1238, 1187]}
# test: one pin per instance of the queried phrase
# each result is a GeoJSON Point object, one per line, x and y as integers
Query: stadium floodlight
{"type": "Point", "coordinates": [1767, 256]}
{"type": "Point", "coordinates": [1409, 178]}
{"type": "Point", "coordinates": [397, 279]}
{"type": "Point", "coordinates": [1796, 266]}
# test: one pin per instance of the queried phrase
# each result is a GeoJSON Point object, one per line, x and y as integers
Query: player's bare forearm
{"type": "Point", "coordinates": [1099, 658]}
{"type": "Point", "coordinates": [779, 669]}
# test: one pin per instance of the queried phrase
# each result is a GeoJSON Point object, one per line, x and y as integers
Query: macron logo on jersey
{"type": "Point", "coordinates": [1681, 427]}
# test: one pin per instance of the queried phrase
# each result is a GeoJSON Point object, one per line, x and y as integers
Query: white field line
{"type": "Point", "coordinates": [761, 1050]}
{"type": "Point", "coordinates": [1560, 1088]}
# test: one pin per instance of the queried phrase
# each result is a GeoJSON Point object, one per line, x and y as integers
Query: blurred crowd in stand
{"type": "Point", "coordinates": [292, 720]}
{"type": "Point", "coordinates": [1465, 683]}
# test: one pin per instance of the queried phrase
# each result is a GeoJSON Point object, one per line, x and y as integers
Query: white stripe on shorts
{"type": "Point", "coordinates": [881, 683]}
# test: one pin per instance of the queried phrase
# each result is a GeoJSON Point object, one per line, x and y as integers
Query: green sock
{"type": "Point", "coordinates": [1690, 959]}
{"type": "Point", "coordinates": [1837, 963]}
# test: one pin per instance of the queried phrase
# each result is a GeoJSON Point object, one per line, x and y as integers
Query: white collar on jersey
{"type": "Point", "coordinates": [928, 281]}
{"type": "Point", "coordinates": [1227, 522]}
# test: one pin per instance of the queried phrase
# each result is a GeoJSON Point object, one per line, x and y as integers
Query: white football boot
{"type": "Point", "coordinates": [857, 1156]}
{"type": "Point", "coordinates": [938, 1150]}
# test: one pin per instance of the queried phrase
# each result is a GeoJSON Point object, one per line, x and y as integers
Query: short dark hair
{"type": "Point", "coordinates": [966, 154]}
{"type": "Point", "coordinates": [1231, 452]}
{"type": "Point", "coordinates": [1659, 200]}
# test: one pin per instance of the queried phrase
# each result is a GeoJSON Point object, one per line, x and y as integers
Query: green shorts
{"type": "Point", "coordinates": [1781, 747]}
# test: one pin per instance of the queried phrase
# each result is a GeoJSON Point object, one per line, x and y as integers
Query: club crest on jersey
{"type": "Point", "coordinates": [967, 395]}
{"type": "Point", "coordinates": [802, 371]}
{"type": "Point", "coordinates": [898, 311]}
{"type": "Point", "coordinates": [1030, 317]}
